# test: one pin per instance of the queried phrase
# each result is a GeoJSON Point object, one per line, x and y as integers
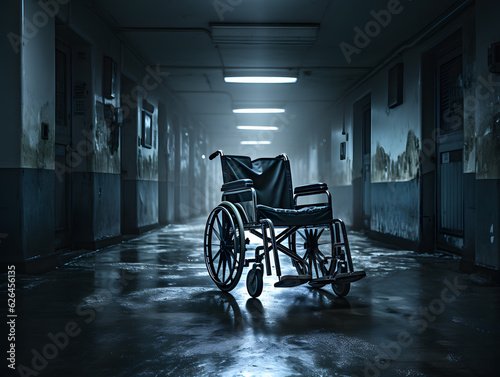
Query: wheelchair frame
{"type": "Point", "coordinates": [234, 221]}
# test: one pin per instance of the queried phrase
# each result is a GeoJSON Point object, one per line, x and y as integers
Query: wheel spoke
{"type": "Point", "coordinates": [320, 233]}
{"type": "Point", "coordinates": [224, 271]}
{"type": "Point", "coordinates": [216, 255]}
{"type": "Point", "coordinates": [315, 262]}
{"type": "Point", "coordinates": [230, 253]}
{"type": "Point", "coordinates": [320, 254]}
{"type": "Point", "coordinates": [220, 226]}
{"type": "Point", "coordinates": [303, 236]}
{"type": "Point", "coordinates": [229, 264]}
{"type": "Point", "coordinates": [306, 254]}
{"type": "Point", "coordinates": [217, 233]}
{"type": "Point", "coordinates": [218, 267]}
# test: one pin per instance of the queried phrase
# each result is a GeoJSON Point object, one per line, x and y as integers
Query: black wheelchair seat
{"type": "Point", "coordinates": [310, 215]}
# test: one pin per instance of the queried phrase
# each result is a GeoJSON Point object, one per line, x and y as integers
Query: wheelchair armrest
{"type": "Point", "coordinates": [311, 189]}
{"type": "Point", "coordinates": [237, 185]}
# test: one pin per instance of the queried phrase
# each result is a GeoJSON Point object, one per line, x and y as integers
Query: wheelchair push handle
{"type": "Point", "coordinates": [215, 154]}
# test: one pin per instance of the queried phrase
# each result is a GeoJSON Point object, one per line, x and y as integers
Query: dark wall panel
{"type": "Point", "coordinates": [27, 218]}
{"type": "Point", "coordinates": [395, 209]}
{"type": "Point", "coordinates": [37, 211]}
{"type": "Point", "coordinates": [107, 206]}
{"type": "Point", "coordinates": [171, 201]}
{"type": "Point", "coordinates": [129, 207]}
{"type": "Point", "coordinates": [82, 186]}
{"type": "Point", "coordinates": [163, 202]}
{"type": "Point", "coordinates": [147, 203]}
{"type": "Point", "coordinates": [488, 222]}
{"type": "Point", "coordinates": [10, 216]}
{"type": "Point", "coordinates": [357, 205]}
{"type": "Point", "coordinates": [428, 208]}
{"type": "Point", "coordinates": [469, 217]}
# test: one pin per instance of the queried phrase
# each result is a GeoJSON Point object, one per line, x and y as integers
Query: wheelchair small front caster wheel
{"type": "Point", "coordinates": [341, 289]}
{"type": "Point", "coordinates": [255, 281]}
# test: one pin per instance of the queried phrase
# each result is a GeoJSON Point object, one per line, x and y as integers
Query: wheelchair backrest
{"type": "Point", "coordinates": [271, 178]}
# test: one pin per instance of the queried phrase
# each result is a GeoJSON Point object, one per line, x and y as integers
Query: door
{"type": "Point", "coordinates": [128, 160]}
{"type": "Point", "coordinates": [366, 147]}
{"type": "Point", "coordinates": [62, 183]}
{"type": "Point", "coordinates": [450, 141]}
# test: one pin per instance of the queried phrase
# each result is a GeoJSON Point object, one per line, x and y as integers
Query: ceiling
{"type": "Point", "coordinates": [177, 36]}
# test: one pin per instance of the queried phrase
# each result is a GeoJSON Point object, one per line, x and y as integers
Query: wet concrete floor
{"type": "Point", "coordinates": [147, 307]}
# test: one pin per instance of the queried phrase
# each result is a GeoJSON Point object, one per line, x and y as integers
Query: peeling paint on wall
{"type": "Point", "coordinates": [343, 176]}
{"type": "Point", "coordinates": [488, 161]}
{"type": "Point", "coordinates": [488, 141]}
{"type": "Point", "coordinates": [103, 160]}
{"type": "Point", "coordinates": [36, 152]}
{"type": "Point", "coordinates": [148, 167]}
{"type": "Point", "coordinates": [405, 167]}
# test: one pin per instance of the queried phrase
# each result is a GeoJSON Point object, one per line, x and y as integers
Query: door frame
{"type": "Point", "coordinates": [360, 221]}
{"type": "Point", "coordinates": [63, 140]}
{"type": "Point", "coordinates": [447, 142]}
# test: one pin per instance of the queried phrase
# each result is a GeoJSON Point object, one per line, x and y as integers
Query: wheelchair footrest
{"type": "Point", "coordinates": [344, 277]}
{"type": "Point", "coordinates": [292, 280]}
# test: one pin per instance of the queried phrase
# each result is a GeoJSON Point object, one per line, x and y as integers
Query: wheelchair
{"type": "Point", "coordinates": [258, 198]}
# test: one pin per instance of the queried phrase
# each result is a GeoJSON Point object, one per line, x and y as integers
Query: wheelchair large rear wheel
{"type": "Point", "coordinates": [315, 246]}
{"type": "Point", "coordinates": [224, 246]}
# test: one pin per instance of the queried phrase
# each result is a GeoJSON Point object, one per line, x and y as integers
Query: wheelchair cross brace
{"type": "Point", "coordinates": [276, 244]}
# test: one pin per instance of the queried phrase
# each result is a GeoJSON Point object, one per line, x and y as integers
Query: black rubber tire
{"type": "Point", "coordinates": [341, 289]}
{"type": "Point", "coordinates": [224, 226]}
{"type": "Point", "coordinates": [255, 282]}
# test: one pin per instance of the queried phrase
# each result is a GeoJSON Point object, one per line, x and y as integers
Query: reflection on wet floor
{"type": "Point", "coordinates": [147, 307]}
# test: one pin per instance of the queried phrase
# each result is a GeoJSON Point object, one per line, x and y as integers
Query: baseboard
{"type": "Point", "coordinates": [34, 266]}
{"type": "Point", "coordinates": [98, 244]}
{"type": "Point", "coordinates": [137, 231]}
{"type": "Point", "coordinates": [482, 275]}
{"type": "Point", "coordinates": [393, 240]}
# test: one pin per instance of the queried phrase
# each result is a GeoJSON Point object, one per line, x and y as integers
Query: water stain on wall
{"type": "Point", "coordinates": [488, 142]}
{"type": "Point", "coordinates": [148, 167]}
{"type": "Point", "coordinates": [405, 167]}
{"type": "Point", "coordinates": [104, 161]}
{"type": "Point", "coordinates": [37, 152]}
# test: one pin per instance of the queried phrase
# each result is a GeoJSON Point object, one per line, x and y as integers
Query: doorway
{"type": "Point", "coordinates": [362, 122]}
{"type": "Point", "coordinates": [442, 187]}
{"type": "Point", "coordinates": [449, 148]}
{"type": "Point", "coordinates": [62, 183]}
{"type": "Point", "coordinates": [128, 159]}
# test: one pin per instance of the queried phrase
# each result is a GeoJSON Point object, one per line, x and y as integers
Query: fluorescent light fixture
{"type": "Point", "coordinates": [258, 128]}
{"type": "Point", "coordinates": [297, 34]}
{"type": "Point", "coordinates": [260, 80]}
{"type": "Point", "coordinates": [258, 111]}
{"type": "Point", "coordinates": [255, 142]}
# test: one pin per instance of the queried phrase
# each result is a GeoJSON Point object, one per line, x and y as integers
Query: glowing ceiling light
{"type": "Point", "coordinates": [258, 111]}
{"type": "Point", "coordinates": [258, 128]}
{"type": "Point", "coordinates": [260, 80]}
{"type": "Point", "coordinates": [255, 142]}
